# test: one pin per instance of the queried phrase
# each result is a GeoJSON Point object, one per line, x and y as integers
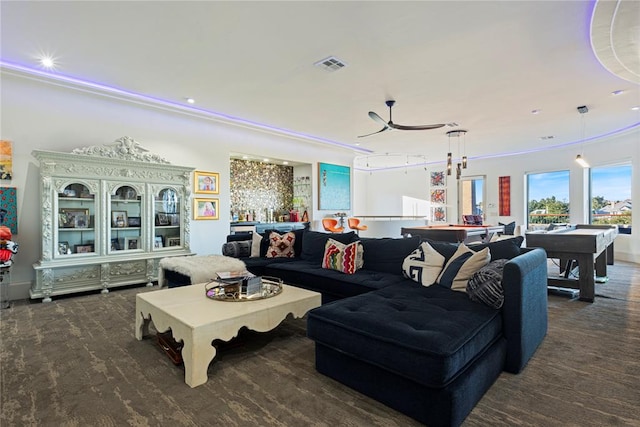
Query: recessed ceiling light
{"type": "Point", "coordinates": [617, 92]}
{"type": "Point", "coordinates": [191, 100]}
{"type": "Point", "coordinates": [47, 62]}
{"type": "Point", "coordinates": [635, 108]}
{"type": "Point", "coordinates": [536, 111]}
{"type": "Point", "coordinates": [544, 138]}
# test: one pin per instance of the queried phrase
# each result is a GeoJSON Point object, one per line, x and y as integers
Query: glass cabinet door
{"type": "Point", "coordinates": [76, 221]}
{"type": "Point", "coordinates": [125, 220]}
{"type": "Point", "coordinates": [167, 219]}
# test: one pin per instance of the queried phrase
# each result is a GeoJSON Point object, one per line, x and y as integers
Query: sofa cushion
{"type": "Point", "coordinates": [237, 249]}
{"type": "Point", "coordinates": [281, 245]}
{"type": "Point", "coordinates": [256, 242]}
{"type": "Point", "coordinates": [461, 266]}
{"type": "Point", "coordinates": [502, 249]}
{"type": "Point", "coordinates": [387, 255]}
{"type": "Point", "coordinates": [428, 334]}
{"type": "Point", "coordinates": [332, 283]}
{"type": "Point", "coordinates": [510, 228]}
{"type": "Point", "coordinates": [344, 258]}
{"type": "Point", "coordinates": [423, 265]}
{"type": "Point", "coordinates": [485, 285]}
{"type": "Point", "coordinates": [313, 243]}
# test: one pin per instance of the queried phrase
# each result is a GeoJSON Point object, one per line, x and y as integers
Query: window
{"type": "Point", "coordinates": [610, 188]}
{"type": "Point", "coordinates": [471, 196]}
{"type": "Point", "coordinates": [548, 198]}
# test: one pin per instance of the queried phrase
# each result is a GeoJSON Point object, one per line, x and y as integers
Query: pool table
{"type": "Point", "coordinates": [455, 233]}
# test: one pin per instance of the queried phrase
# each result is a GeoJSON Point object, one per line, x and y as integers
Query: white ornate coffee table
{"type": "Point", "coordinates": [197, 320]}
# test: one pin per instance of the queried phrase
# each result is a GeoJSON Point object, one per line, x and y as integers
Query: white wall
{"type": "Point", "coordinates": [384, 189]}
{"type": "Point", "coordinates": [42, 116]}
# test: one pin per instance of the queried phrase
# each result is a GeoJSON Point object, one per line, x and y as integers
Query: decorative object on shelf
{"type": "Point", "coordinates": [83, 249]}
{"type": "Point", "coordinates": [462, 161]}
{"type": "Point", "coordinates": [134, 221]}
{"type": "Point", "coordinates": [8, 248]}
{"type": "Point", "coordinates": [305, 216]}
{"type": "Point", "coordinates": [334, 187]}
{"type": "Point", "coordinates": [504, 199]}
{"type": "Point", "coordinates": [206, 208]}
{"type": "Point", "coordinates": [119, 219]}
{"type": "Point", "coordinates": [73, 218]}
{"type": "Point", "coordinates": [6, 160]}
{"type": "Point", "coordinates": [132, 243]}
{"type": "Point", "coordinates": [173, 241]}
{"type": "Point", "coordinates": [162, 219]}
{"type": "Point", "coordinates": [206, 182]}
{"type": "Point", "coordinates": [8, 208]}
{"type": "Point", "coordinates": [157, 242]}
{"type": "Point", "coordinates": [63, 248]}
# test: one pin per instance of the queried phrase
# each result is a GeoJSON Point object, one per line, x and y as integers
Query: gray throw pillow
{"type": "Point", "coordinates": [485, 286]}
{"type": "Point", "coordinates": [241, 249]}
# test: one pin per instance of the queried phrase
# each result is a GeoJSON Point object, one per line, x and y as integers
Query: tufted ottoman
{"type": "Point", "coordinates": [428, 352]}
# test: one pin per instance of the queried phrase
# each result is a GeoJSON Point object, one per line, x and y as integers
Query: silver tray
{"type": "Point", "coordinates": [232, 292]}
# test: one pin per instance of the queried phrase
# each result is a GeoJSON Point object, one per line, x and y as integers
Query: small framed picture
{"type": "Point", "coordinates": [206, 182]}
{"type": "Point", "coordinates": [157, 242]}
{"type": "Point", "coordinates": [173, 241]}
{"type": "Point", "coordinates": [119, 219]}
{"type": "Point", "coordinates": [63, 248]}
{"type": "Point", "coordinates": [174, 219]}
{"type": "Point", "coordinates": [134, 221]}
{"type": "Point", "coordinates": [131, 243]}
{"type": "Point", "coordinates": [115, 245]}
{"type": "Point", "coordinates": [162, 219]}
{"type": "Point", "coordinates": [69, 218]}
{"type": "Point", "coordinates": [83, 249]}
{"type": "Point", "coordinates": [206, 208]}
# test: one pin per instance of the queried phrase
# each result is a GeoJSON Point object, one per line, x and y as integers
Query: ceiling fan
{"type": "Point", "coordinates": [390, 125]}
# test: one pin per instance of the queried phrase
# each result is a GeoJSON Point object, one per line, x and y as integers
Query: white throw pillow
{"type": "Point", "coordinates": [461, 266]}
{"type": "Point", "coordinates": [423, 265]}
{"type": "Point", "coordinates": [256, 240]}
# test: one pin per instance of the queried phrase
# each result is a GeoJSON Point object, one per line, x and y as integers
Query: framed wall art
{"type": "Point", "coordinates": [206, 208]}
{"type": "Point", "coordinates": [438, 214]}
{"type": "Point", "coordinates": [439, 196]}
{"type": "Point", "coordinates": [334, 187]}
{"type": "Point", "coordinates": [9, 208]}
{"type": "Point", "coordinates": [504, 200]}
{"type": "Point", "coordinates": [438, 179]}
{"type": "Point", "coordinates": [6, 160]}
{"type": "Point", "coordinates": [206, 182]}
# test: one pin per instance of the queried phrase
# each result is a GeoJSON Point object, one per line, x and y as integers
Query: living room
{"type": "Point", "coordinates": [42, 112]}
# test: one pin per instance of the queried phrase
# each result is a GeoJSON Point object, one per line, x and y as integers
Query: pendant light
{"type": "Point", "coordinates": [462, 161]}
{"type": "Point", "coordinates": [579, 159]}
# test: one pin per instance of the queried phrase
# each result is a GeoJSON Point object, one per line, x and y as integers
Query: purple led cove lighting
{"type": "Point", "coordinates": [511, 153]}
{"type": "Point", "coordinates": [125, 95]}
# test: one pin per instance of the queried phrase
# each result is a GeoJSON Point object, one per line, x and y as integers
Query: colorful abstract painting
{"type": "Point", "coordinates": [438, 196]}
{"type": "Point", "coordinates": [438, 179]}
{"type": "Point", "coordinates": [438, 214]}
{"type": "Point", "coordinates": [334, 182]}
{"type": "Point", "coordinates": [504, 186]}
{"type": "Point", "coordinates": [9, 208]}
{"type": "Point", "coordinates": [6, 160]}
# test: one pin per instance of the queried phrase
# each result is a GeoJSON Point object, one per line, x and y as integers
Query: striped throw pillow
{"type": "Point", "coordinates": [345, 258]}
{"type": "Point", "coordinates": [485, 285]}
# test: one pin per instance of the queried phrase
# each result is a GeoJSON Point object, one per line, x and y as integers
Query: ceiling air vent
{"type": "Point", "coordinates": [330, 64]}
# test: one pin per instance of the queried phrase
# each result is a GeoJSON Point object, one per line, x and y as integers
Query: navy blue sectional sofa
{"type": "Point", "coordinates": [427, 351]}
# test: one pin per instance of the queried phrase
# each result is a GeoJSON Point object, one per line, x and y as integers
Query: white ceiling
{"type": "Point", "coordinates": [484, 65]}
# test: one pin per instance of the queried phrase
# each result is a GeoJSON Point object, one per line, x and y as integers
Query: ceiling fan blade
{"type": "Point", "coordinates": [378, 119]}
{"type": "Point", "coordinates": [423, 127]}
{"type": "Point", "coordinates": [381, 130]}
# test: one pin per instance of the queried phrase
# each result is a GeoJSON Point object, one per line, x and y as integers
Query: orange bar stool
{"type": "Point", "coordinates": [331, 225]}
{"type": "Point", "coordinates": [354, 224]}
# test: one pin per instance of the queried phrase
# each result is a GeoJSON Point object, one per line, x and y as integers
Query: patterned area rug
{"type": "Point", "coordinates": [76, 362]}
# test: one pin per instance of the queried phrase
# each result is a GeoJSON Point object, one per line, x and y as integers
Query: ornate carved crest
{"type": "Point", "coordinates": [125, 148]}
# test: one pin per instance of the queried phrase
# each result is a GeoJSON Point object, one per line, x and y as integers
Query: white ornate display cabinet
{"type": "Point", "coordinates": [109, 214]}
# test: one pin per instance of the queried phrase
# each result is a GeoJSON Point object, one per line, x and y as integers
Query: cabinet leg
{"type": "Point", "coordinates": [104, 291]}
